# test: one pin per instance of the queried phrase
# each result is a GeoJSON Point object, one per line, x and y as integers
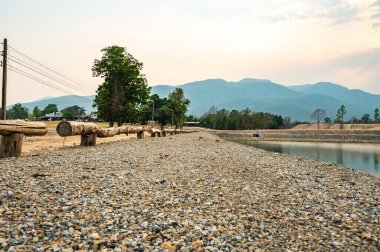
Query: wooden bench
{"type": "Point", "coordinates": [90, 131]}
{"type": "Point", "coordinates": [13, 134]}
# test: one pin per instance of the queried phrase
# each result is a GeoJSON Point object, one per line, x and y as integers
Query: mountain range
{"type": "Point", "coordinates": [297, 102]}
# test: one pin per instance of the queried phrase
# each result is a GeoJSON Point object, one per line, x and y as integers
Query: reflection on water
{"type": "Point", "coordinates": [363, 157]}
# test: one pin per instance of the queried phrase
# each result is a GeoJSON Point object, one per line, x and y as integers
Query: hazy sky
{"type": "Point", "coordinates": [286, 41]}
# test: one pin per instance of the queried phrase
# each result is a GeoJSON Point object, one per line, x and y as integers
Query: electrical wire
{"type": "Point", "coordinates": [32, 77]}
{"type": "Point", "coordinates": [62, 75]}
{"type": "Point", "coordinates": [45, 74]}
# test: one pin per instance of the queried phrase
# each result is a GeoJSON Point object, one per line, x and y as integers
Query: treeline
{"type": "Point", "coordinates": [319, 115]}
{"type": "Point", "coordinates": [246, 119]}
{"type": "Point", "coordinates": [18, 111]}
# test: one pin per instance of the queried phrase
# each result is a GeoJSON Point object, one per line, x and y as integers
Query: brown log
{"type": "Point", "coordinates": [11, 145]}
{"type": "Point", "coordinates": [67, 128]}
{"type": "Point", "coordinates": [8, 128]}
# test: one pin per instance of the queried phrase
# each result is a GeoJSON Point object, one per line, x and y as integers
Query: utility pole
{"type": "Point", "coordinates": [4, 89]}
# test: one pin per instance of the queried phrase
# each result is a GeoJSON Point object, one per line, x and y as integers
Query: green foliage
{"type": "Point", "coordinates": [166, 110]}
{"type": "Point", "coordinates": [37, 112]}
{"type": "Point", "coordinates": [340, 114]}
{"type": "Point", "coordinates": [17, 111]}
{"type": "Point", "coordinates": [51, 108]}
{"type": "Point", "coordinates": [241, 120]}
{"type": "Point", "coordinates": [178, 105]}
{"type": "Point", "coordinates": [376, 115]}
{"type": "Point", "coordinates": [366, 118]}
{"type": "Point", "coordinates": [73, 111]}
{"type": "Point", "coordinates": [124, 90]}
{"type": "Point", "coordinates": [327, 120]}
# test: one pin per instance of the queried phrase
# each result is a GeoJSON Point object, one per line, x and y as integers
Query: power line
{"type": "Point", "coordinates": [30, 76]}
{"type": "Point", "coordinates": [45, 74]}
{"type": "Point", "coordinates": [65, 76]}
{"type": "Point", "coordinates": [25, 74]}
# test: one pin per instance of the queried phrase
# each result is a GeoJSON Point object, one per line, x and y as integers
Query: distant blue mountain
{"type": "Point", "coordinates": [63, 102]}
{"type": "Point", "coordinates": [298, 102]}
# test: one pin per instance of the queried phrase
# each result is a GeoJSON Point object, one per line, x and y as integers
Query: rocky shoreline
{"type": "Point", "coordinates": [192, 192]}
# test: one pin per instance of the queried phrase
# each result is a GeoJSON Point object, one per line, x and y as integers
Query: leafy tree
{"type": "Point", "coordinates": [318, 115]}
{"type": "Point", "coordinates": [124, 89]}
{"type": "Point", "coordinates": [37, 112]}
{"type": "Point", "coordinates": [366, 118]}
{"type": "Point", "coordinates": [73, 111]}
{"type": "Point", "coordinates": [340, 114]}
{"type": "Point", "coordinates": [327, 120]}
{"type": "Point", "coordinates": [18, 111]}
{"type": "Point", "coordinates": [178, 105]}
{"type": "Point", "coordinates": [51, 108]}
{"type": "Point", "coordinates": [164, 113]}
{"type": "Point", "coordinates": [376, 115]}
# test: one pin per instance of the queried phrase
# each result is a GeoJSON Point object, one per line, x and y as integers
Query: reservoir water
{"type": "Point", "coordinates": [362, 157]}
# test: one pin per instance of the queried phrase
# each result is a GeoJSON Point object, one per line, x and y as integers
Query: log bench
{"type": "Point", "coordinates": [13, 134]}
{"type": "Point", "coordinates": [90, 131]}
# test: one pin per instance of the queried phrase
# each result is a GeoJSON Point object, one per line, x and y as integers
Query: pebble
{"type": "Point", "coordinates": [206, 195]}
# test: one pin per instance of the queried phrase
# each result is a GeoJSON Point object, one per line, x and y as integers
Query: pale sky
{"type": "Point", "coordinates": [290, 42]}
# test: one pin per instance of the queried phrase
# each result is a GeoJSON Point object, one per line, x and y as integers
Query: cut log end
{"type": "Point", "coordinates": [64, 129]}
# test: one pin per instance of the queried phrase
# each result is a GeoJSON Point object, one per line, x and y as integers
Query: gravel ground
{"type": "Point", "coordinates": [191, 192]}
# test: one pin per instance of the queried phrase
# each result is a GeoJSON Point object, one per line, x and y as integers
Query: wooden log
{"type": "Point", "coordinates": [11, 145]}
{"type": "Point", "coordinates": [67, 128]}
{"type": "Point", "coordinates": [8, 128]}
{"type": "Point", "coordinates": [88, 140]}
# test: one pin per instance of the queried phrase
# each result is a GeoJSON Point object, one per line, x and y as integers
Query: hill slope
{"type": "Point", "coordinates": [63, 102]}
{"type": "Point", "coordinates": [298, 102]}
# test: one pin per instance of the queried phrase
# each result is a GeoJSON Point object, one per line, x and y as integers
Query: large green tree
{"type": "Point", "coordinates": [73, 111]}
{"type": "Point", "coordinates": [18, 111]}
{"type": "Point", "coordinates": [37, 112]}
{"type": "Point", "coordinates": [160, 110]}
{"type": "Point", "coordinates": [178, 105]}
{"type": "Point", "coordinates": [50, 108]}
{"type": "Point", "coordinates": [124, 89]}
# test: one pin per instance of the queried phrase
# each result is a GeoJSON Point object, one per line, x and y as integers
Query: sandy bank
{"type": "Point", "coordinates": [186, 192]}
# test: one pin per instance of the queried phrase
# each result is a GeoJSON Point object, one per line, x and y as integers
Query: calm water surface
{"type": "Point", "coordinates": [363, 157]}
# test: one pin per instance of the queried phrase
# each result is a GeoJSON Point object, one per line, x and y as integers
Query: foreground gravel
{"type": "Point", "coordinates": [193, 192]}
